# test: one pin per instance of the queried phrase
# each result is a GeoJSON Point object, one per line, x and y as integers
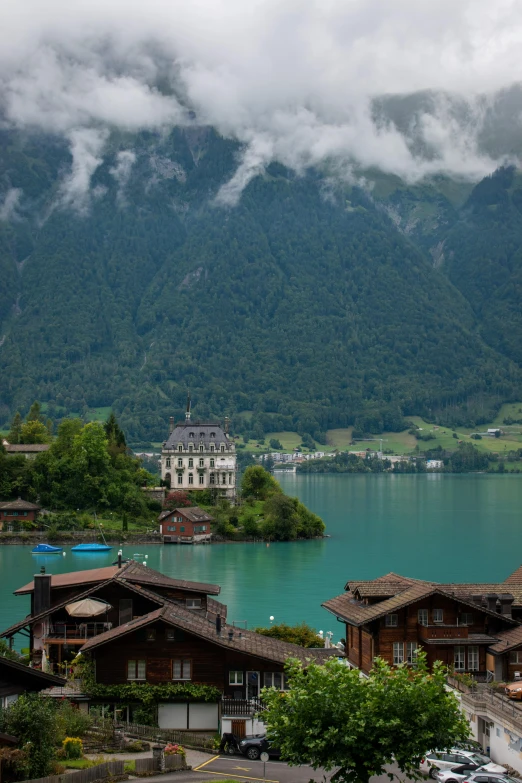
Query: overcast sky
{"type": "Point", "coordinates": [291, 79]}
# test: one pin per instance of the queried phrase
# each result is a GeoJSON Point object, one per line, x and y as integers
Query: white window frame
{"type": "Point", "coordinates": [515, 656]}
{"type": "Point", "coordinates": [275, 680]}
{"type": "Point", "coordinates": [391, 620]}
{"type": "Point", "coordinates": [193, 603]}
{"type": "Point", "coordinates": [236, 677]}
{"type": "Point", "coordinates": [459, 658]}
{"type": "Point", "coordinates": [473, 658]}
{"type": "Point", "coordinates": [398, 653]}
{"type": "Point", "coordinates": [422, 616]}
{"type": "Point", "coordinates": [180, 479]}
{"type": "Point", "coordinates": [201, 480]}
{"type": "Point", "coordinates": [411, 652]}
{"type": "Point", "coordinates": [191, 478]}
{"type": "Point", "coordinates": [180, 462]}
{"type": "Point", "coordinates": [183, 668]}
{"type": "Point", "coordinates": [201, 462]}
{"type": "Point", "coordinates": [137, 669]}
{"type": "Point", "coordinates": [438, 615]}
{"type": "Point", "coordinates": [466, 618]}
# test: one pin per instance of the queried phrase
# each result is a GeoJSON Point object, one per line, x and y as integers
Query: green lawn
{"type": "Point", "coordinates": [99, 414]}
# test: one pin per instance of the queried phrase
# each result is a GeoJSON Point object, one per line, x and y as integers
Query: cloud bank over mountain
{"type": "Point", "coordinates": [294, 81]}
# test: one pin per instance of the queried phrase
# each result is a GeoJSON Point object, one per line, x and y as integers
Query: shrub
{"type": "Point", "coordinates": [72, 747]}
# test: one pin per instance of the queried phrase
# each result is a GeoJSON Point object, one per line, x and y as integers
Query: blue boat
{"type": "Point", "coordinates": [91, 548]}
{"type": "Point", "coordinates": [46, 549]}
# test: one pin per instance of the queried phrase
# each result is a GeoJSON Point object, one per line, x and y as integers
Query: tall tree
{"type": "Point", "coordinates": [16, 427]}
{"type": "Point", "coordinates": [35, 412]}
{"type": "Point", "coordinates": [332, 717]}
{"type": "Point", "coordinates": [33, 431]}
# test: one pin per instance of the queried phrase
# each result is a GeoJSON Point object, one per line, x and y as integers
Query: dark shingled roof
{"type": "Point", "coordinates": [131, 572]}
{"type": "Point", "coordinates": [197, 433]}
{"type": "Point", "coordinates": [193, 513]}
{"type": "Point", "coordinates": [248, 642]}
{"type": "Point", "coordinates": [29, 679]}
{"type": "Point", "coordinates": [20, 448]}
{"type": "Point", "coordinates": [19, 505]}
{"type": "Point", "coordinates": [473, 638]}
{"type": "Point", "coordinates": [507, 640]}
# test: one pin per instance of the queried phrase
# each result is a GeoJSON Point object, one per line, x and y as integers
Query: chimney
{"type": "Point", "coordinates": [230, 635]}
{"type": "Point", "coordinates": [477, 599]}
{"type": "Point", "coordinates": [187, 412]}
{"type": "Point", "coordinates": [171, 425]}
{"type": "Point", "coordinates": [227, 422]}
{"type": "Point", "coordinates": [218, 625]}
{"type": "Point", "coordinates": [506, 602]}
{"type": "Point", "coordinates": [42, 591]}
{"type": "Point", "coordinates": [491, 599]}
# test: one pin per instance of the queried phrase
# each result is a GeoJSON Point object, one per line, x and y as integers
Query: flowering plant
{"type": "Point", "coordinates": [72, 747]}
{"type": "Point", "coordinates": [174, 750]}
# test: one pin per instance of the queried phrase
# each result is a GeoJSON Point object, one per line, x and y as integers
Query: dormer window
{"type": "Point", "coordinates": [212, 447]}
{"type": "Point", "coordinates": [180, 447]}
{"type": "Point", "coordinates": [202, 448]}
{"type": "Point", "coordinates": [212, 434]}
{"type": "Point", "coordinates": [191, 434]}
{"type": "Point", "coordinates": [201, 434]}
{"type": "Point", "coordinates": [222, 447]}
{"type": "Point", "coordinates": [190, 447]}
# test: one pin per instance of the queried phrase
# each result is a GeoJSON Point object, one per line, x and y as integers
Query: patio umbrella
{"type": "Point", "coordinates": [87, 607]}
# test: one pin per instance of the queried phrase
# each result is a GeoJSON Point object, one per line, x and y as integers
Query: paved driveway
{"type": "Point", "coordinates": [241, 768]}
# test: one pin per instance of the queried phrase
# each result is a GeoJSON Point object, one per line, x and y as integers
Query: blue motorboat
{"type": "Point", "coordinates": [91, 548]}
{"type": "Point", "coordinates": [46, 549]}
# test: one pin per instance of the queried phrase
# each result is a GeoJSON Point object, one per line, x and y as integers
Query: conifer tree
{"type": "Point", "coordinates": [16, 428]}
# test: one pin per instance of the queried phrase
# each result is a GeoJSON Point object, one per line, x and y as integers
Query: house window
{"type": "Point", "coordinates": [201, 479]}
{"type": "Point", "coordinates": [168, 462]}
{"type": "Point", "coordinates": [201, 462]}
{"type": "Point", "coordinates": [180, 448]}
{"type": "Point", "coordinates": [515, 656]}
{"type": "Point", "coordinates": [170, 635]}
{"type": "Point", "coordinates": [212, 478]}
{"type": "Point", "coordinates": [275, 680]}
{"type": "Point", "coordinates": [191, 478]}
{"type": "Point", "coordinates": [137, 670]}
{"type": "Point", "coordinates": [193, 603]}
{"type": "Point", "coordinates": [180, 478]}
{"type": "Point", "coordinates": [212, 462]}
{"type": "Point", "coordinates": [422, 616]}
{"type": "Point", "coordinates": [466, 618]}
{"type": "Point", "coordinates": [391, 620]}
{"type": "Point", "coordinates": [202, 448]}
{"type": "Point", "coordinates": [171, 528]}
{"type": "Point", "coordinates": [180, 463]}
{"type": "Point", "coordinates": [411, 652]}
{"type": "Point", "coordinates": [151, 634]}
{"type": "Point", "coordinates": [398, 653]}
{"type": "Point", "coordinates": [459, 658]}
{"type": "Point", "coordinates": [125, 608]}
{"type": "Point", "coordinates": [235, 678]}
{"type": "Point", "coordinates": [473, 659]}
{"type": "Point", "coordinates": [182, 529]}
{"type": "Point", "coordinates": [438, 615]}
{"type": "Point", "coordinates": [179, 519]}
{"type": "Point", "coordinates": [181, 669]}
{"type": "Point", "coordinates": [191, 463]}
{"type": "Point", "coordinates": [200, 528]}
{"type": "Point", "coordinates": [230, 478]}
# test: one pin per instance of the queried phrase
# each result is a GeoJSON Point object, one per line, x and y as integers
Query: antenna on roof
{"type": "Point", "coordinates": [187, 413]}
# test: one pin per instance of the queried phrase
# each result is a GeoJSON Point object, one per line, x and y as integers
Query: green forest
{"type": "Point", "coordinates": [308, 306]}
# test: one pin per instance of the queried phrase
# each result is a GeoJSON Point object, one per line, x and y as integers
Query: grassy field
{"type": "Point", "coordinates": [99, 414]}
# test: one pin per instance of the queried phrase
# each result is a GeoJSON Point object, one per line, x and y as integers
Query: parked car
{"type": "Point", "coordinates": [462, 771]}
{"type": "Point", "coordinates": [252, 747]}
{"type": "Point", "coordinates": [437, 760]}
{"type": "Point", "coordinates": [514, 690]}
{"type": "Point", "coordinates": [470, 744]}
{"type": "Point", "coordinates": [491, 777]}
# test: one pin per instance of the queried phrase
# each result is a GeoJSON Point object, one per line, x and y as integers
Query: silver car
{"type": "Point", "coordinates": [439, 760]}
{"type": "Point", "coordinates": [463, 771]}
{"type": "Point", "coordinates": [479, 776]}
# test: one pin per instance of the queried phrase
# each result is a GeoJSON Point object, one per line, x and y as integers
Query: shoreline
{"type": "Point", "coordinates": [33, 538]}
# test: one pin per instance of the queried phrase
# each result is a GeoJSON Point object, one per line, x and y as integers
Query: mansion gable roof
{"type": "Point", "coordinates": [198, 434]}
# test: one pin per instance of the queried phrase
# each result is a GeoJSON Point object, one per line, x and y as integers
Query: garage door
{"type": "Point", "coordinates": [203, 716]}
{"type": "Point", "coordinates": [172, 716]}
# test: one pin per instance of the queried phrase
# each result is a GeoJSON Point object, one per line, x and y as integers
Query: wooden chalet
{"type": "Point", "coordinates": [459, 624]}
{"type": "Point", "coordinates": [13, 512]}
{"type": "Point", "coordinates": [185, 525]}
{"type": "Point", "coordinates": [16, 678]}
{"type": "Point", "coordinates": [157, 629]}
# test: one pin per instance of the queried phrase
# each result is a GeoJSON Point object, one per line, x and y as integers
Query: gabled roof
{"type": "Point", "coordinates": [507, 640]}
{"type": "Point", "coordinates": [401, 582]}
{"type": "Point", "coordinates": [193, 513]}
{"type": "Point", "coordinates": [21, 448]}
{"type": "Point", "coordinates": [131, 572]}
{"type": "Point", "coordinates": [515, 577]}
{"type": "Point", "coordinates": [247, 642]}
{"type": "Point", "coordinates": [29, 679]}
{"type": "Point", "coordinates": [349, 609]}
{"type": "Point", "coordinates": [19, 505]}
{"type": "Point", "coordinates": [197, 433]}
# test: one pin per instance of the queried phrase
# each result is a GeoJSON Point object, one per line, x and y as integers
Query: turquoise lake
{"type": "Point", "coordinates": [440, 527]}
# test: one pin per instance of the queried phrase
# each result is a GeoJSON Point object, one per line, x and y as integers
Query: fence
{"type": "Point", "coordinates": [109, 769]}
{"type": "Point", "coordinates": [150, 765]}
{"type": "Point", "coordinates": [186, 738]}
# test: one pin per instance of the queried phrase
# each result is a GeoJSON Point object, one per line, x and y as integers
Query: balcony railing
{"type": "Point", "coordinates": [442, 631]}
{"type": "Point", "coordinates": [241, 708]}
{"type": "Point", "coordinates": [71, 632]}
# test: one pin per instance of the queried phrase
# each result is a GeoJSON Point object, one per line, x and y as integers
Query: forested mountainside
{"type": "Point", "coordinates": [311, 304]}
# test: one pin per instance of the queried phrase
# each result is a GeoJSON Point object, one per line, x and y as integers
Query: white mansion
{"type": "Point", "coordinates": [199, 456]}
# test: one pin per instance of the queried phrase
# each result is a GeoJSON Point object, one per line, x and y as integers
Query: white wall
{"type": "Point", "coordinates": [197, 717]}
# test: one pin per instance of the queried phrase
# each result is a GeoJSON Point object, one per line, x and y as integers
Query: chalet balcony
{"type": "Point", "coordinates": [241, 708]}
{"type": "Point", "coordinates": [442, 631]}
{"type": "Point", "coordinates": [74, 633]}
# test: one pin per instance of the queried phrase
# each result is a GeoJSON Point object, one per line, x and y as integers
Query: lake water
{"type": "Point", "coordinates": [440, 527]}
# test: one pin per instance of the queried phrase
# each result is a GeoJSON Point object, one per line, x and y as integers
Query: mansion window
{"type": "Point", "coordinates": [180, 462]}
{"type": "Point", "coordinates": [224, 481]}
{"type": "Point", "coordinates": [398, 653]}
{"type": "Point", "coordinates": [191, 434]}
{"type": "Point", "coordinates": [201, 462]}
{"type": "Point", "coordinates": [191, 447]}
{"type": "Point", "coordinates": [212, 434]}
{"type": "Point", "coordinates": [515, 656]}
{"type": "Point", "coordinates": [191, 478]}
{"type": "Point", "coordinates": [180, 478]}
{"type": "Point", "coordinates": [422, 616]}
{"type": "Point", "coordinates": [275, 680]}
{"type": "Point", "coordinates": [222, 447]}
{"type": "Point", "coordinates": [235, 678]}
{"type": "Point", "coordinates": [202, 448]}
{"type": "Point", "coordinates": [411, 652]}
{"type": "Point", "coordinates": [459, 658]}
{"type": "Point", "coordinates": [212, 478]}
{"type": "Point", "coordinates": [201, 479]}
{"type": "Point", "coordinates": [438, 615]}
{"type": "Point", "coordinates": [473, 659]}
{"type": "Point", "coordinates": [181, 669]}
{"type": "Point", "coordinates": [201, 434]}
{"type": "Point", "coordinates": [466, 618]}
{"type": "Point", "coordinates": [136, 670]}
{"type": "Point", "coordinates": [212, 447]}
{"type": "Point", "coordinates": [180, 448]}
{"type": "Point", "coordinates": [167, 463]}
{"type": "Point", "coordinates": [212, 462]}
{"type": "Point", "coordinates": [191, 463]}
{"type": "Point", "coordinates": [193, 603]}
{"type": "Point", "coordinates": [391, 620]}
{"type": "Point", "coordinates": [230, 478]}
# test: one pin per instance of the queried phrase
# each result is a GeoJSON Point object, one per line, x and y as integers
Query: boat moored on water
{"type": "Point", "coordinates": [94, 547]}
{"type": "Point", "coordinates": [46, 549]}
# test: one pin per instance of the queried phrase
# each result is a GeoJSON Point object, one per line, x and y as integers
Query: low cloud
{"type": "Point", "coordinates": [10, 204]}
{"type": "Point", "coordinates": [291, 80]}
{"type": "Point", "coordinates": [121, 172]}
